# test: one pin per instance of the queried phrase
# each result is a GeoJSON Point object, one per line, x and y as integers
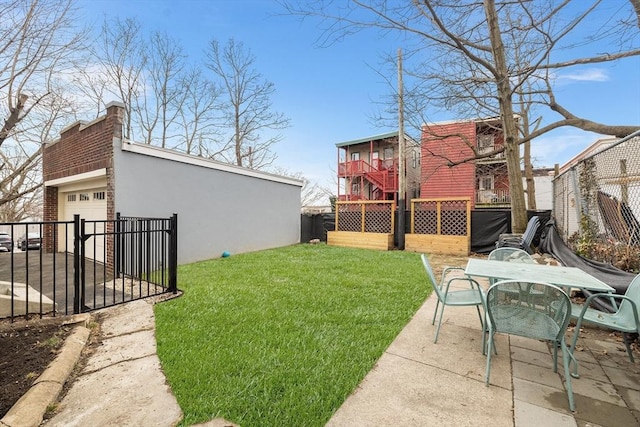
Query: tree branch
{"type": "Point", "coordinates": [593, 60]}
{"type": "Point", "coordinates": [14, 117]}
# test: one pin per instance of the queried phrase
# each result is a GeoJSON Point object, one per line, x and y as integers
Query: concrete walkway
{"type": "Point", "coordinates": [122, 383]}
{"type": "Point", "coordinates": [419, 383]}
{"type": "Point", "coordinates": [415, 382]}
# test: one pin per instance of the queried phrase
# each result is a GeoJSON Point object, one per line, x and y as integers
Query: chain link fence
{"type": "Point", "coordinates": [597, 199]}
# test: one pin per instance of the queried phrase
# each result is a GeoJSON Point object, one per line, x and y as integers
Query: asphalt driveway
{"type": "Point", "coordinates": [51, 274]}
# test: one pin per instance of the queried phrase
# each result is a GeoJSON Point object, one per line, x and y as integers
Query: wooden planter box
{"type": "Point", "coordinates": [437, 244]}
{"type": "Point", "coordinates": [353, 239]}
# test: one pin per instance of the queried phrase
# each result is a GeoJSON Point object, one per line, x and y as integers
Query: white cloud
{"type": "Point", "coordinates": [560, 146]}
{"type": "Point", "coordinates": [589, 75]}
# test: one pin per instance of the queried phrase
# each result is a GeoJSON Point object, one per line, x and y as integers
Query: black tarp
{"type": "Point", "coordinates": [486, 227]}
{"type": "Point", "coordinates": [544, 216]}
{"type": "Point", "coordinates": [552, 243]}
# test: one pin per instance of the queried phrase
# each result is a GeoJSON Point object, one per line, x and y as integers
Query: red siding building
{"type": "Point", "coordinates": [447, 170]}
{"type": "Point", "coordinates": [368, 168]}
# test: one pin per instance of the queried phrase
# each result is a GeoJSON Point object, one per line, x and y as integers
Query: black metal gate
{"type": "Point", "coordinates": [85, 265]}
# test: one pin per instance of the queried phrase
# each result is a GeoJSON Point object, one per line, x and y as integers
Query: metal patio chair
{"type": "Point", "coordinates": [508, 254]}
{"type": "Point", "coordinates": [624, 320]}
{"type": "Point", "coordinates": [543, 318]}
{"type": "Point", "coordinates": [511, 255]}
{"type": "Point", "coordinates": [521, 241]}
{"type": "Point", "coordinates": [474, 296]}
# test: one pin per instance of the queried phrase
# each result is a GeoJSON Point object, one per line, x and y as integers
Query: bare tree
{"type": "Point", "coordinates": [158, 109]}
{"type": "Point", "coordinates": [636, 8]}
{"type": "Point", "coordinates": [92, 87]}
{"type": "Point", "coordinates": [20, 184]}
{"type": "Point", "coordinates": [464, 45]}
{"type": "Point", "coordinates": [311, 192]}
{"type": "Point", "coordinates": [39, 42]}
{"type": "Point", "coordinates": [199, 116]}
{"type": "Point", "coordinates": [121, 61]}
{"type": "Point", "coordinates": [21, 155]}
{"type": "Point", "coordinates": [166, 103]}
{"type": "Point", "coordinates": [249, 110]}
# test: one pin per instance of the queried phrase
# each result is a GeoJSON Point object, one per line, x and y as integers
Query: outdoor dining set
{"type": "Point", "coordinates": [531, 300]}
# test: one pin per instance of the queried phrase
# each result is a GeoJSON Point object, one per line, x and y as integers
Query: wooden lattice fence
{"type": "Point", "coordinates": [364, 224]}
{"type": "Point", "coordinates": [440, 226]}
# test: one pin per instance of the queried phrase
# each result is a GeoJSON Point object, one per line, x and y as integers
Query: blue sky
{"type": "Point", "coordinates": [328, 92]}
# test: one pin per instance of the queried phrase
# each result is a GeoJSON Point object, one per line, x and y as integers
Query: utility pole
{"type": "Point", "coordinates": [402, 180]}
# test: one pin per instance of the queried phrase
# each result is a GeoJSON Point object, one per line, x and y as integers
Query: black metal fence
{"type": "Point", "coordinates": [315, 226]}
{"type": "Point", "coordinates": [66, 267]}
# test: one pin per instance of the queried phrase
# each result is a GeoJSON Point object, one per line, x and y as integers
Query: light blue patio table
{"type": "Point", "coordinates": [565, 277]}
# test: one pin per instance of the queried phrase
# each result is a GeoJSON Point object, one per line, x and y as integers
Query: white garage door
{"type": "Point", "coordinates": [90, 204]}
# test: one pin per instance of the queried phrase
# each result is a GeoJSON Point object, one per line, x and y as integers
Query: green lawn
{"type": "Point", "coordinates": [281, 337]}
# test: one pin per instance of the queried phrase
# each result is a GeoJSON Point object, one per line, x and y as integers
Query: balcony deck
{"type": "Point", "coordinates": [493, 198]}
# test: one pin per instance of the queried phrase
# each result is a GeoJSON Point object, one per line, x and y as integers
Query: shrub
{"type": "Point", "coordinates": [621, 255]}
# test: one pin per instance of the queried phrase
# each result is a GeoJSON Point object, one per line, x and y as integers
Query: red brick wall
{"type": "Point", "coordinates": [79, 151]}
{"type": "Point", "coordinates": [441, 142]}
{"type": "Point", "coordinates": [50, 211]}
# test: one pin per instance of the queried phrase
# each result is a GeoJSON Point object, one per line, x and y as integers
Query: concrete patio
{"type": "Point", "coordinates": [419, 383]}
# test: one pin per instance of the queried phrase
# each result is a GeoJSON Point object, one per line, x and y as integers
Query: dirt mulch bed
{"type": "Point", "coordinates": [27, 347]}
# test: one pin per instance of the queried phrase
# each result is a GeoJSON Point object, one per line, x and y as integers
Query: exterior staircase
{"type": "Point", "coordinates": [384, 179]}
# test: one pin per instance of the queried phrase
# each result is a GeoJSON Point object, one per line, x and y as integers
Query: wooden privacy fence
{"type": "Point", "coordinates": [364, 224]}
{"type": "Point", "coordinates": [440, 226]}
